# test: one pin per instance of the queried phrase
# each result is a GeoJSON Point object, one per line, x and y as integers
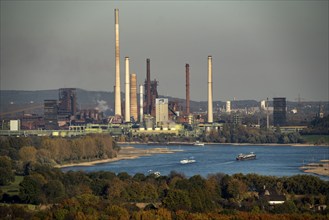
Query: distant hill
{"type": "Point", "coordinates": [11, 99]}
{"type": "Point", "coordinates": [15, 99]}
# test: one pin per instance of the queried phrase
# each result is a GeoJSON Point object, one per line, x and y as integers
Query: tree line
{"type": "Point", "coordinates": [243, 134]}
{"type": "Point", "coordinates": [106, 195]}
{"type": "Point", "coordinates": [229, 133]}
{"type": "Point", "coordinates": [20, 154]}
{"type": "Point", "coordinates": [318, 126]}
{"type": "Point", "coordinates": [57, 150]}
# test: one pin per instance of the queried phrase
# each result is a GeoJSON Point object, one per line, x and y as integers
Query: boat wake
{"type": "Point", "coordinates": [223, 163]}
{"type": "Point", "coordinates": [228, 162]}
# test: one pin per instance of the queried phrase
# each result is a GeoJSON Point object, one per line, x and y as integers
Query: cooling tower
{"type": "Point", "coordinates": [117, 91]}
{"type": "Point", "coordinates": [127, 91]}
{"type": "Point", "coordinates": [133, 96]}
{"type": "Point", "coordinates": [210, 114]}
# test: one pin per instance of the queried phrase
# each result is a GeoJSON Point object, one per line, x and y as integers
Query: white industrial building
{"type": "Point", "coordinates": [161, 112]}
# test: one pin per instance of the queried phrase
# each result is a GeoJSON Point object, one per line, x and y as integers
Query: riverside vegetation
{"type": "Point", "coordinates": [316, 133]}
{"type": "Point", "coordinates": [31, 188]}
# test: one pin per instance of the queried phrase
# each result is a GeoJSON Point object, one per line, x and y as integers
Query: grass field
{"type": "Point", "coordinates": [316, 139]}
{"type": "Point", "coordinates": [13, 188]}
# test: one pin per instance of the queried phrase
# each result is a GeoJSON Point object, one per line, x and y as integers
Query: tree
{"type": "Point", "coordinates": [60, 214]}
{"type": "Point", "coordinates": [115, 190]}
{"type": "Point", "coordinates": [150, 193]}
{"type": "Point", "coordinates": [236, 189]}
{"type": "Point", "coordinates": [124, 176]}
{"type": "Point", "coordinates": [27, 154]}
{"type": "Point", "coordinates": [287, 207]}
{"type": "Point", "coordinates": [31, 189]}
{"type": "Point", "coordinates": [116, 212]}
{"type": "Point", "coordinates": [139, 177]}
{"type": "Point", "coordinates": [6, 173]}
{"type": "Point", "coordinates": [54, 191]}
{"type": "Point", "coordinates": [177, 200]}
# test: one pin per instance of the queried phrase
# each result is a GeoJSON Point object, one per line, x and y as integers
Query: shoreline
{"type": "Point", "coordinates": [320, 168]}
{"type": "Point", "coordinates": [125, 153]}
{"type": "Point", "coordinates": [232, 144]}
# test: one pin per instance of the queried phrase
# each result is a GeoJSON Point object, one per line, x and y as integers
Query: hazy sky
{"type": "Point", "coordinates": [260, 49]}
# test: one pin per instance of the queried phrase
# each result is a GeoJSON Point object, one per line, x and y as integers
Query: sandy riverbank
{"type": "Point", "coordinates": [126, 153]}
{"type": "Point", "coordinates": [321, 168]}
{"type": "Point", "coordinates": [233, 144]}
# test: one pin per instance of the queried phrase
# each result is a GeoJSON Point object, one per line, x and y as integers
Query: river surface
{"type": "Point", "coordinates": [210, 159]}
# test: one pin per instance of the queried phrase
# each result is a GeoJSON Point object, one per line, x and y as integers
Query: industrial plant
{"type": "Point", "coordinates": [143, 110]}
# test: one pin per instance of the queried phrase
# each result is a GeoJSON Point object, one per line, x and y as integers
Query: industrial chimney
{"type": "Point", "coordinates": [148, 87]}
{"type": "Point", "coordinates": [210, 114]}
{"type": "Point", "coordinates": [127, 91]}
{"type": "Point", "coordinates": [133, 96]}
{"type": "Point", "coordinates": [187, 70]}
{"type": "Point", "coordinates": [141, 102]}
{"type": "Point", "coordinates": [117, 91]}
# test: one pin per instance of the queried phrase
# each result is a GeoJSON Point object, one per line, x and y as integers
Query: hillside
{"type": "Point", "coordinates": [13, 100]}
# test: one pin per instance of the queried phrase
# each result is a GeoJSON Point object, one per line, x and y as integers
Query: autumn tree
{"type": "Point", "coordinates": [27, 154]}
{"type": "Point", "coordinates": [117, 213]}
{"type": "Point", "coordinates": [6, 173]}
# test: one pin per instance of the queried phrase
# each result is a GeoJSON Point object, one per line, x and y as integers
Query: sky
{"type": "Point", "coordinates": [259, 49]}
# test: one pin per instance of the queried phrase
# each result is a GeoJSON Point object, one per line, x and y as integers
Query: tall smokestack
{"type": "Point", "coordinates": [187, 70]}
{"type": "Point", "coordinates": [117, 65]}
{"type": "Point", "coordinates": [141, 102]}
{"type": "Point", "coordinates": [133, 96]}
{"type": "Point", "coordinates": [210, 114]}
{"type": "Point", "coordinates": [127, 92]}
{"type": "Point", "coordinates": [148, 87]}
{"type": "Point", "coordinates": [267, 115]}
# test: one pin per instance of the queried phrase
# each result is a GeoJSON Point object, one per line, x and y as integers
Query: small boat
{"type": "Point", "coordinates": [156, 173]}
{"type": "Point", "coordinates": [197, 143]}
{"type": "Point", "coordinates": [250, 156]}
{"type": "Point", "coordinates": [187, 161]}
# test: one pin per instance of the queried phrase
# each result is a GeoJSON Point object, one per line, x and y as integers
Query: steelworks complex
{"type": "Point", "coordinates": [150, 115]}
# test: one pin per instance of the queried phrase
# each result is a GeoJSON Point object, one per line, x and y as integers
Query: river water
{"type": "Point", "coordinates": [211, 159]}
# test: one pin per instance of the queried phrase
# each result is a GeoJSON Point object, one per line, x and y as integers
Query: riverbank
{"type": "Point", "coordinates": [125, 153]}
{"type": "Point", "coordinates": [321, 168]}
{"type": "Point", "coordinates": [214, 143]}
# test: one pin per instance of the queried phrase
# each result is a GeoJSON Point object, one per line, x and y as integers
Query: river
{"type": "Point", "coordinates": [271, 160]}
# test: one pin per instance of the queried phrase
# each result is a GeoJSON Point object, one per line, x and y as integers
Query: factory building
{"type": "Point", "coordinates": [236, 118]}
{"type": "Point", "coordinates": [151, 91]}
{"type": "Point", "coordinates": [161, 110]}
{"type": "Point", "coordinates": [14, 125]}
{"type": "Point", "coordinates": [67, 105]}
{"type": "Point", "coordinates": [50, 114]}
{"type": "Point", "coordinates": [279, 111]}
{"type": "Point", "coordinates": [149, 122]}
{"type": "Point", "coordinates": [154, 95]}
